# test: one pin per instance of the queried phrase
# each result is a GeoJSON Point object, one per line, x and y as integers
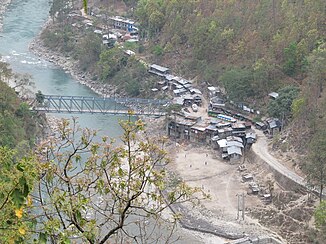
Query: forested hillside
{"type": "Point", "coordinates": [250, 47]}
{"type": "Point", "coordinates": [18, 129]}
{"type": "Point", "coordinates": [277, 42]}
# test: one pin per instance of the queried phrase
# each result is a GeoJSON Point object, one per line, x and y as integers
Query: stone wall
{"type": "Point", "coordinates": [284, 181]}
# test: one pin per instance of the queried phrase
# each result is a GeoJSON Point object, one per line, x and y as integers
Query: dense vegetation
{"type": "Point", "coordinates": [19, 129]}
{"type": "Point", "coordinates": [106, 65]}
{"type": "Point", "coordinates": [276, 42]}
{"type": "Point", "coordinates": [17, 125]}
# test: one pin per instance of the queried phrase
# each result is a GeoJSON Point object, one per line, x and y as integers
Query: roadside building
{"type": "Point", "coordinates": [273, 126]}
{"type": "Point", "coordinates": [216, 103]}
{"type": "Point", "coordinates": [119, 22]}
{"type": "Point", "coordinates": [225, 132]}
{"type": "Point", "coordinates": [180, 127]}
{"type": "Point", "coordinates": [211, 132]}
{"type": "Point", "coordinates": [198, 133]}
{"type": "Point", "coordinates": [234, 153]}
{"type": "Point", "coordinates": [260, 126]}
{"type": "Point", "coordinates": [222, 145]}
{"type": "Point", "coordinates": [234, 138]}
{"type": "Point", "coordinates": [179, 92]}
{"type": "Point", "coordinates": [239, 129]}
{"type": "Point", "coordinates": [250, 138]}
{"type": "Point", "coordinates": [158, 70]}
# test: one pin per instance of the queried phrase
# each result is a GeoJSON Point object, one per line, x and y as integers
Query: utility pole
{"type": "Point", "coordinates": [241, 206]}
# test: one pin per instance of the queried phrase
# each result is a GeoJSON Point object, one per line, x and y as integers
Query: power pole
{"type": "Point", "coordinates": [241, 206]}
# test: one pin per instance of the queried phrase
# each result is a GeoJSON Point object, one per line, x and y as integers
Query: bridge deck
{"type": "Point", "coordinates": [96, 105]}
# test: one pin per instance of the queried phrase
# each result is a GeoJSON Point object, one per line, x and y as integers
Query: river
{"type": "Point", "coordinates": [22, 21]}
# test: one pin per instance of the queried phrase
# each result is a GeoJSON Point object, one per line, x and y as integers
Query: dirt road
{"type": "Point", "coordinates": [261, 149]}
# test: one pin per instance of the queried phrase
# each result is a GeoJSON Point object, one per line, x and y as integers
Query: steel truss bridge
{"type": "Point", "coordinates": [102, 105]}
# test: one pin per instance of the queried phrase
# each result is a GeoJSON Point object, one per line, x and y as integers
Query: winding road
{"type": "Point", "coordinates": [260, 148]}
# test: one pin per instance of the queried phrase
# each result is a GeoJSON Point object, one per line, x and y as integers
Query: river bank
{"type": "Point", "coordinates": [69, 65]}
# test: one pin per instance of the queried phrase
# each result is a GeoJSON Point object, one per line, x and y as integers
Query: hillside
{"type": "Point", "coordinates": [250, 48]}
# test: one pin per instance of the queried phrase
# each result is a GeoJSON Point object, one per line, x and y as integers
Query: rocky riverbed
{"type": "Point", "coordinates": [70, 66]}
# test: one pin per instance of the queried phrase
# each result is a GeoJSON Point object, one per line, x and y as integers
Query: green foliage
{"type": "Point", "coordinates": [59, 38]}
{"type": "Point", "coordinates": [173, 108]}
{"type": "Point", "coordinates": [320, 215]}
{"type": "Point", "coordinates": [314, 166]}
{"type": "Point", "coordinates": [297, 106]}
{"type": "Point", "coordinates": [158, 50]}
{"type": "Point", "coordinates": [281, 106]}
{"type": "Point", "coordinates": [101, 190]}
{"type": "Point", "coordinates": [132, 87]}
{"type": "Point", "coordinates": [39, 97]}
{"type": "Point", "coordinates": [295, 61]}
{"type": "Point", "coordinates": [131, 46]}
{"type": "Point", "coordinates": [237, 84]}
{"type": "Point", "coordinates": [17, 178]}
{"type": "Point", "coordinates": [59, 10]}
{"type": "Point", "coordinates": [272, 34]}
{"type": "Point", "coordinates": [88, 51]}
{"type": "Point", "coordinates": [16, 120]}
{"type": "Point", "coordinates": [111, 61]}
{"type": "Point", "coordinates": [125, 72]}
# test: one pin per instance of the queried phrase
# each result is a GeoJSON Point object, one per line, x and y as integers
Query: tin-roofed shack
{"type": "Point", "coordinates": [211, 132]}
{"type": "Point", "coordinates": [239, 129]}
{"type": "Point", "coordinates": [198, 132]}
{"type": "Point", "coordinates": [215, 103]}
{"type": "Point", "coordinates": [273, 95]}
{"type": "Point", "coordinates": [260, 125]}
{"type": "Point", "coordinates": [118, 22]}
{"type": "Point", "coordinates": [273, 126]}
{"type": "Point", "coordinates": [250, 138]}
{"type": "Point", "coordinates": [179, 126]}
{"type": "Point", "coordinates": [234, 153]}
{"type": "Point", "coordinates": [158, 70]}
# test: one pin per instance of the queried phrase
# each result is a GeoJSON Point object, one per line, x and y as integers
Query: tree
{"type": "Point", "coordinates": [237, 84]}
{"type": "Point", "coordinates": [320, 215]}
{"type": "Point", "coordinates": [281, 107]}
{"type": "Point", "coordinates": [39, 97]}
{"type": "Point", "coordinates": [97, 192]}
{"type": "Point", "coordinates": [315, 165]}
{"type": "Point", "coordinates": [17, 177]}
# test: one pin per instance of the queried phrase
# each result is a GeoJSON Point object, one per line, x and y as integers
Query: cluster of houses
{"type": "Point", "coordinates": [183, 91]}
{"type": "Point", "coordinates": [227, 133]}
{"type": "Point", "coordinates": [117, 28]}
{"type": "Point", "coordinates": [228, 137]}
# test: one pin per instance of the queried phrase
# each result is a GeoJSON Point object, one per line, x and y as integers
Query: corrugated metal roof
{"type": "Point", "coordinates": [222, 143]}
{"type": "Point", "coordinates": [234, 138]}
{"type": "Point", "coordinates": [273, 95]}
{"type": "Point", "coordinates": [159, 68]}
{"type": "Point", "coordinates": [234, 144]}
{"type": "Point", "coordinates": [234, 150]}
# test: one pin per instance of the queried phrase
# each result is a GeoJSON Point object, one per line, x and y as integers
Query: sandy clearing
{"type": "Point", "coordinates": [201, 167]}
